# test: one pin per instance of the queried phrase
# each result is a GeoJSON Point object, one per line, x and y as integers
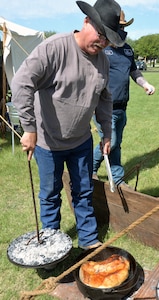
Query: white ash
{"type": "Point", "coordinates": [28, 252]}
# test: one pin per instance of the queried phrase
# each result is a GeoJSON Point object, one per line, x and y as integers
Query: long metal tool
{"type": "Point", "coordinates": [33, 198]}
{"type": "Point", "coordinates": [109, 173]}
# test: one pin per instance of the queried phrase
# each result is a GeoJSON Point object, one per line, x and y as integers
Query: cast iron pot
{"type": "Point", "coordinates": [117, 292]}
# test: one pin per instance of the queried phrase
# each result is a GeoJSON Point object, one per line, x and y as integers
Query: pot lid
{"type": "Point", "coordinates": [26, 251]}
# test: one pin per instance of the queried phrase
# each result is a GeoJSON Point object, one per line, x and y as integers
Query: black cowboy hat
{"type": "Point", "coordinates": [106, 15]}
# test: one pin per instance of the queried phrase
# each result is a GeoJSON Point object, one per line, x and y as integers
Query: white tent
{"type": "Point", "coordinates": [18, 42]}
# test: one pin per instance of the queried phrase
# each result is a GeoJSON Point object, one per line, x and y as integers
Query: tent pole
{"type": "Point", "coordinates": [4, 83]}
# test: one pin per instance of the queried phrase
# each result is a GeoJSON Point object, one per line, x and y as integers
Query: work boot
{"type": "Point", "coordinates": [91, 246]}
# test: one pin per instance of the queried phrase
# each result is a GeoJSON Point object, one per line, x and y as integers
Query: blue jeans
{"type": "Point", "coordinates": [118, 123]}
{"type": "Point", "coordinates": [79, 162]}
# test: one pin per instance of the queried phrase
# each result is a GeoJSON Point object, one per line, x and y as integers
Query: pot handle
{"type": "Point", "coordinates": [119, 291]}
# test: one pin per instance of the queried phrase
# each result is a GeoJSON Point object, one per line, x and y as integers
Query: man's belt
{"type": "Point", "coordinates": [119, 105]}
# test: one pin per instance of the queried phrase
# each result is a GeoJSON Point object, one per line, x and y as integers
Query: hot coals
{"type": "Point", "coordinates": [27, 251]}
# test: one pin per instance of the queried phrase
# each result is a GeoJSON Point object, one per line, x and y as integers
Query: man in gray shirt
{"type": "Point", "coordinates": [56, 90]}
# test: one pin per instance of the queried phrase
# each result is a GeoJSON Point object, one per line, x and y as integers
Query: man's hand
{"type": "Point", "coordinates": [149, 89]}
{"type": "Point", "coordinates": [105, 146]}
{"type": "Point", "coordinates": [28, 142]}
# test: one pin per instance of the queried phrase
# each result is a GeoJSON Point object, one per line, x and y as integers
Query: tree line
{"type": "Point", "coordinates": [146, 46]}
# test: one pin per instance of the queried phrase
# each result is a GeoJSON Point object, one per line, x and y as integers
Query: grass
{"type": "Point", "coordinates": [140, 144]}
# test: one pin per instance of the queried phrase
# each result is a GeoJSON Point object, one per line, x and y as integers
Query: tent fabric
{"type": "Point", "coordinates": [18, 43]}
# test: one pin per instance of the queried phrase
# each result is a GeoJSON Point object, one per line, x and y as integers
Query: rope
{"type": "Point", "coordinates": [18, 135]}
{"type": "Point", "coordinates": [8, 32]}
{"type": "Point", "coordinates": [50, 284]}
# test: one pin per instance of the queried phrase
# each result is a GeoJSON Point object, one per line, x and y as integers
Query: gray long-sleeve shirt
{"type": "Point", "coordinates": [57, 89]}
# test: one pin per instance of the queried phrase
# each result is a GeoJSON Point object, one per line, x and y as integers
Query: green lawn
{"type": "Point", "coordinates": [140, 144]}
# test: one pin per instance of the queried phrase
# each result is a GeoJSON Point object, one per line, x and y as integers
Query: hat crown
{"type": "Point", "coordinates": [109, 12]}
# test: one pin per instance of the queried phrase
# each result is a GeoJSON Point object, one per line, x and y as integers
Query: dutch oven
{"type": "Point", "coordinates": [26, 251]}
{"type": "Point", "coordinates": [117, 292]}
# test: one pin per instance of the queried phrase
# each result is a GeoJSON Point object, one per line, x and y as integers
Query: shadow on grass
{"type": "Point", "coordinates": [146, 161]}
{"type": "Point", "coordinates": [61, 266]}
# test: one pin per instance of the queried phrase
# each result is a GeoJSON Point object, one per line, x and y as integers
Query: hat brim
{"type": "Point", "coordinates": [91, 12]}
{"type": "Point", "coordinates": [124, 23]}
{"type": "Point", "coordinates": [113, 37]}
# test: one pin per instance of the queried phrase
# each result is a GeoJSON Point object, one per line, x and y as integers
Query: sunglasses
{"type": "Point", "coordinates": [101, 36]}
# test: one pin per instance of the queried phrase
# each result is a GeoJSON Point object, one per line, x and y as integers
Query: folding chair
{"type": "Point", "coordinates": [14, 120]}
